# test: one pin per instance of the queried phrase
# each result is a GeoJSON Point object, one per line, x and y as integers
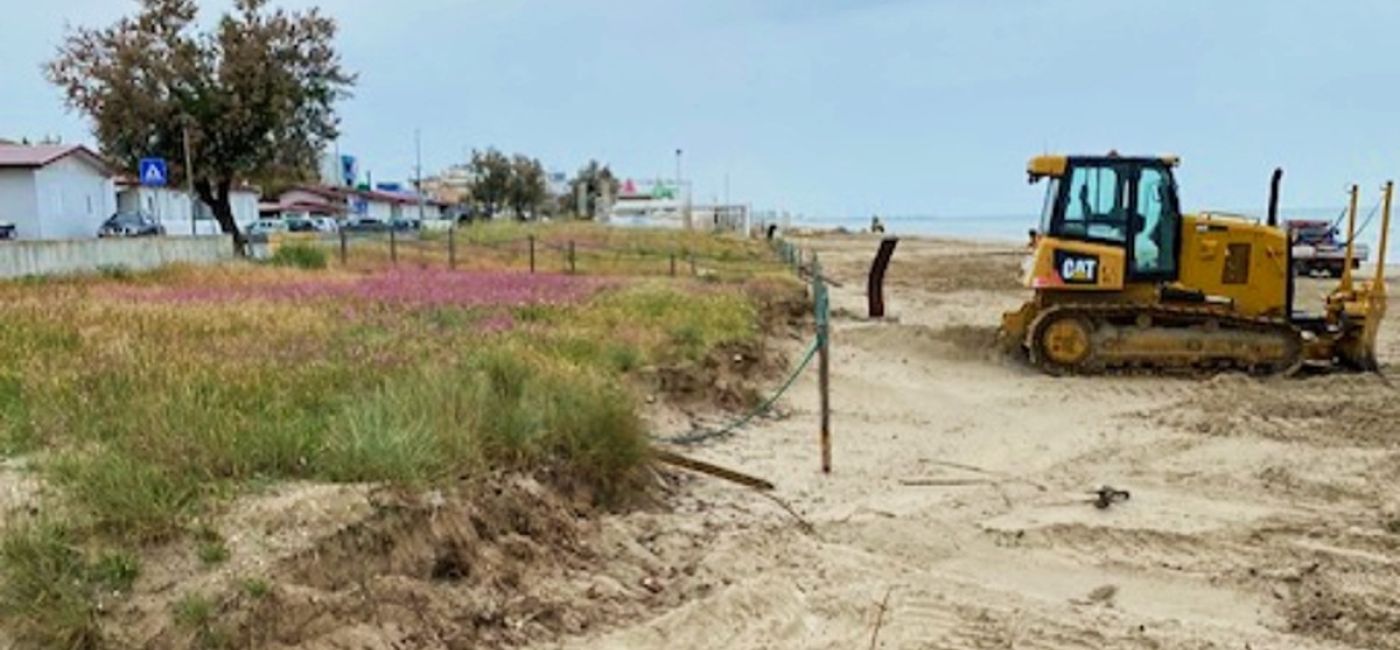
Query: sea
{"type": "Point", "coordinates": [1014, 228]}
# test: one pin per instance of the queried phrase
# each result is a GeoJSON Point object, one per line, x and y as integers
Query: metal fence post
{"type": "Point", "coordinates": [344, 247]}
{"type": "Point", "coordinates": [532, 253]}
{"type": "Point", "coordinates": [823, 317]}
{"type": "Point", "coordinates": [673, 264]}
{"type": "Point", "coordinates": [573, 264]}
{"type": "Point", "coordinates": [393, 246]}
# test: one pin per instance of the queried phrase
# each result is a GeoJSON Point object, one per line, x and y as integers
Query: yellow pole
{"type": "Point", "coordinates": [1351, 243]}
{"type": "Point", "coordinates": [1379, 285]}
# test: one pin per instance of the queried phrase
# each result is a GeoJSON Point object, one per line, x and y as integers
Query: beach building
{"type": "Point", "coordinates": [54, 191]}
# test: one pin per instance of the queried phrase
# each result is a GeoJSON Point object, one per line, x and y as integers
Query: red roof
{"type": "Point", "coordinates": [31, 156]}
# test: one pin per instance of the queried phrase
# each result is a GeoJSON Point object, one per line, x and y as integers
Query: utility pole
{"type": "Point", "coordinates": [189, 180]}
{"type": "Point", "coordinates": [418, 171]}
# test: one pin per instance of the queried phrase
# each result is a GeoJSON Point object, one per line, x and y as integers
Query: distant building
{"type": "Point", "coordinates": [452, 187]}
{"type": "Point", "coordinates": [321, 200]}
{"type": "Point", "coordinates": [54, 191]}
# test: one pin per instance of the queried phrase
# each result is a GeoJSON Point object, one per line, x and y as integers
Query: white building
{"type": "Point", "coordinates": [171, 207]}
{"type": "Point", "coordinates": [54, 191]}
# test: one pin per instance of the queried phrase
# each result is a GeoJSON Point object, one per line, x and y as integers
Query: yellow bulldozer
{"type": "Point", "coordinates": [1123, 279]}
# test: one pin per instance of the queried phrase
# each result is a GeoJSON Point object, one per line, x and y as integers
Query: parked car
{"type": "Point", "coordinates": [405, 224]}
{"type": "Point", "coordinates": [365, 224]}
{"type": "Point", "coordinates": [130, 224]}
{"type": "Point", "coordinates": [8, 230]}
{"type": "Point", "coordinates": [300, 224]}
{"type": "Point", "coordinates": [260, 230]}
{"type": "Point", "coordinates": [326, 224]}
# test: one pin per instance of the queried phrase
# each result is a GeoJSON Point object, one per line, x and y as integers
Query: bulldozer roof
{"type": "Point", "coordinates": [1054, 165]}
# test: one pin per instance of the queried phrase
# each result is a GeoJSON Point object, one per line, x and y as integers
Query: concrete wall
{"type": "Point", "coordinates": [19, 203]}
{"type": "Point", "coordinates": [75, 197]}
{"type": "Point", "coordinates": [58, 257]}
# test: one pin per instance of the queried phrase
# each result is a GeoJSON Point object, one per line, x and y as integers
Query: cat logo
{"type": "Point", "coordinates": [1076, 268]}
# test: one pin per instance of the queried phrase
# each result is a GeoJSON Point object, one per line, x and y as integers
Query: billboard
{"type": "Point", "coordinates": [645, 189]}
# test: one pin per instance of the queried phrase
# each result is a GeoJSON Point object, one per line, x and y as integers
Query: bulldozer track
{"type": "Point", "coordinates": [1193, 326]}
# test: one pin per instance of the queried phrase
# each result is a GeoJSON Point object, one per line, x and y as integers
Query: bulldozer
{"type": "Point", "coordinates": [1123, 279]}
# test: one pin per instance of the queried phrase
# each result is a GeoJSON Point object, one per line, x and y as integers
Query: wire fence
{"type": "Point", "coordinates": [462, 249]}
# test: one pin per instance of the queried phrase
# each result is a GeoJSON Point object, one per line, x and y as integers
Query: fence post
{"type": "Point", "coordinates": [452, 247]}
{"type": "Point", "coordinates": [673, 264]}
{"type": "Point", "coordinates": [823, 318]}
{"type": "Point", "coordinates": [532, 253]}
{"type": "Point", "coordinates": [573, 265]}
{"type": "Point", "coordinates": [344, 247]}
{"type": "Point", "coordinates": [393, 246]}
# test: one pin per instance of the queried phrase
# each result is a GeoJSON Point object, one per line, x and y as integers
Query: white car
{"type": "Point", "coordinates": [260, 229]}
{"type": "Point", "coordinates": [326, 224]}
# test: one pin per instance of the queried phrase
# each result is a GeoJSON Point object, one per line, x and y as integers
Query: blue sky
{"type": "Point", "coordinates": [837, 107]}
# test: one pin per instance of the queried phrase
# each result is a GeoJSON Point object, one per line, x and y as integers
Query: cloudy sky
{"type": "Point", "coordinates": [844, 106]}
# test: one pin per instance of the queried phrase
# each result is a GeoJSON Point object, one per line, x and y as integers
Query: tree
{"type": "Point", "coordinates": [255, 96]}
{"type": "Point", "coordinates": [595, 180]}
{"type": "Point", "coordinates": [527, 186]}
{"type": "Point", "coordinates": [491, 183]}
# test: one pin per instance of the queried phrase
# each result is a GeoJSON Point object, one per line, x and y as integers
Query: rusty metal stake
{"type": "Point", "coordinates": [875, 290]}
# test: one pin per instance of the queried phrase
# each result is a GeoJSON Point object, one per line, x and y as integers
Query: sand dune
{"type": "Point", "coordinates": [1263, 513]}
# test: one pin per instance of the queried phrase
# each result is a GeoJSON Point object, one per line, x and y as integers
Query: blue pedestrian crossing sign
{"type": "Point", "coordinates": [154, 172]}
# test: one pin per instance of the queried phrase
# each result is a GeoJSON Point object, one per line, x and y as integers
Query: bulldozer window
{"type": "Point", "coordinates": [1156, 225]}
{"type": "Point", "coordinates": [1095, 207]}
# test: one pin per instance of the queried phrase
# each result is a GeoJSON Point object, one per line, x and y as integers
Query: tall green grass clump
{"type": "Point", "coordinates": [301, 256]}
{"type": "Point", "coordinates": [46, 594]}
{"type": "Point", "coordinates": [506, 406]}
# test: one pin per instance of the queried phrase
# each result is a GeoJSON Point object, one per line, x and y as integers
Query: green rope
{"type": "Point", "coordinates": [698, 436]}
{"type": "Point", "coordinates": [822, 304]}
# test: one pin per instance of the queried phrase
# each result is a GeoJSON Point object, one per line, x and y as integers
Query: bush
{"type": "Point", "coordinates": [301, 256]}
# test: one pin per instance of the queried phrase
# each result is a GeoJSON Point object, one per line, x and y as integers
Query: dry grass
{"type": "Point", "coordinates": [147, 399]}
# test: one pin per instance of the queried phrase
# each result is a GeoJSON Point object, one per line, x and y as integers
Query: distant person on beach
{"type": "Point", "coordinates": [772, 230]}
{"type": "Point", "coordinates": [875, 225]}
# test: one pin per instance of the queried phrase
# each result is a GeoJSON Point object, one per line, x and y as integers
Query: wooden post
{"type": "Point", "coordinates": [344, 247]}
{"type": "Point", "coordinates": [452, 248]}
{"type": "Point", "coordinates": [532, 253]}
{"type": "Point", "coordinates": [875, 289]}
{"type": "Point", "coordinates": [573, 265]}
{"type": "Point", "coordinates": [393, 246]}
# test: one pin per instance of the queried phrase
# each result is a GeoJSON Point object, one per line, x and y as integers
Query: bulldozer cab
{"type": "Point", "coordinates": [1125, 203]}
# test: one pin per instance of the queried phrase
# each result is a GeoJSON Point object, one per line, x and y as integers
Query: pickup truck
{"type": "Point", "coordinates": [1317, 250]}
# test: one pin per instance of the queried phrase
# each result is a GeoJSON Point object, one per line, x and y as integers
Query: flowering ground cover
{"type": "Point", "coordinates": [142, 402]}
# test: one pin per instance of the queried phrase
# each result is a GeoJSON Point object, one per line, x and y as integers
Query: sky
{"type": "Point", "coordinates": [842, 107]}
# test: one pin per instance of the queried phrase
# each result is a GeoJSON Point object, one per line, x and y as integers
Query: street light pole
{"type": "Point", "coordinates": [418, 170]}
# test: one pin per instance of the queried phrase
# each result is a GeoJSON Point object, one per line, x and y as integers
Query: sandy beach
{"type": "Point", "coordinates": [1262, 511]}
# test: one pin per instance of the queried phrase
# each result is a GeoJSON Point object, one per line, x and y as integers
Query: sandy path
{"type": "Point", "coordinates": [1263, 513]}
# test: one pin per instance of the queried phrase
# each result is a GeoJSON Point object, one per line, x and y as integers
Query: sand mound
{"type": "Point", "coordinates": [498, 564]}
{"type": "Point", "coordinates": [1331, 410]}
{"type": "Point", "coordinates": [916, 342]}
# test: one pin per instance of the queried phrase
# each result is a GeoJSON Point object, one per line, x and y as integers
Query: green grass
{"type": "Point", "coordinates": [301, 256]}
{"type": "Point", "coordinates": [147, 416]}
{"type": "Point", "coordinates": [46, 592]}
{"type": "Point", "coordinates": [256, 588]}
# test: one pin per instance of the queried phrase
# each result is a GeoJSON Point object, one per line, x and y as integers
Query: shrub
{"type": "Point", "coordinates": [301, 256]}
